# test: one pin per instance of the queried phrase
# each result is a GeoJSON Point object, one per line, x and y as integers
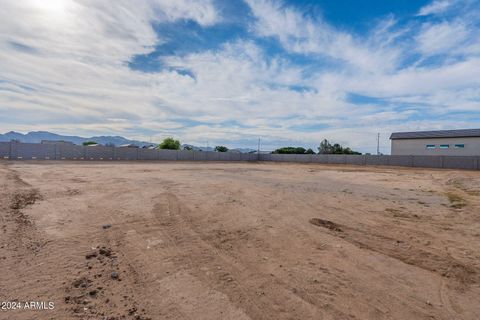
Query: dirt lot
{"type": "Point", "coordinates": [238, 241]}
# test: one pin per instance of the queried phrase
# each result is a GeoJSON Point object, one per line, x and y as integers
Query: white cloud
{"type": "Point", "coordinates": [301, 34]}
{"type": "Point", "coordinates": [380, 57]}
{"type": "Point", "coordinates": [422, 80]}
{"type": "Point", "coordinates": [436, 7]}
{"type": "Point", "coordinates": [73, 57]}
{"type": "Point", "coordinates": [441, 38]}
{"type": "Point", "coordinates": [201, 11]}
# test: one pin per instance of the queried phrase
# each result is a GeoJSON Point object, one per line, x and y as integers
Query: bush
{"type": "Point", "coordinates": [221, 149]}
{"type": "Point", "coordinates": [290, 150]}
{"type": "Point", "coordinates": [170, 144]}
{"type": "Point", "coordinates": [326, 148]}
{"type": "Point", "coordinates": [89, 143]}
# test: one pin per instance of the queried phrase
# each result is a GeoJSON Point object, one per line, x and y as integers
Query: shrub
{"type": "Point", "coordinates": [170, 144]}
{"type": "Point", "coordinates": [326, 148]}
{"type": "Point", "coordinates": [221, 149]}
{"type": "Point", "coordinates": [290, 150]}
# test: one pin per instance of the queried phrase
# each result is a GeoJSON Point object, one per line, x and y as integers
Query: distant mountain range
{"type": "Point", "coordinates": [195, 148]}
{"type": "Point", "coordinates": [38, 136]}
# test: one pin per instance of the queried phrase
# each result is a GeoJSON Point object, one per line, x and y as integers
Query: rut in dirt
{"type": "Point", "coordinates": [374, 240]}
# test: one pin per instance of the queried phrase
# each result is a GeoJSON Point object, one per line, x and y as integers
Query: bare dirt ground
{"type": "Point", "coordinates": [239, 241]}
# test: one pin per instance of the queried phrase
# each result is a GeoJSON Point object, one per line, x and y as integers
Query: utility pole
{"type": "Point", "coordinates": [378, 144]}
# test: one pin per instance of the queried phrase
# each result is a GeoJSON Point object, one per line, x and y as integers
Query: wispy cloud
{"type": "Point", "coordinates": [441, 38]}
{"type": "Point", "coordinates": [300, 33]}
{"type": "Point", "coordinates": [436, 7]}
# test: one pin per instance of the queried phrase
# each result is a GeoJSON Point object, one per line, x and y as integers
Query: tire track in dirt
{"type": "Point", "coordinates": [265, 276]}
{"type": "Point", "coordinates": [193, 248]}
{"type": "Point", "coordinates": [245, 287]}
{"type": "Point", "coordinates": [22, 243]}
{"type": "Point", "coordinates": [170, 264]}
{"type": "Point", "coordinates": [20, 195]}
{"type": "Point", "coordinates": [372, 239]}
{"type": "Point", "coordinates": [446, 300]}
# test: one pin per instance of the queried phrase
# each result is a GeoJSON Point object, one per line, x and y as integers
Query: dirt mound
{"type": "Point", "coordinates": [98, 291]}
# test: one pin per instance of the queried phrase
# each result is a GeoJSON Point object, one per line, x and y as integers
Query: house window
{"type": "Point", "coordinates": [460, 146]}
{"type": "Point", "coordinates": [430, 146]}
{"type": "Point", "coordinates": [444, 146]}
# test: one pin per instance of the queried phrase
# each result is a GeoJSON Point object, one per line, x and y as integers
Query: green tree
{"type": "Point", "coordinates": [325, 147]}
{"type": "Point", "coordinates": [221, 149]}
{"type": "Point", "coordinates": [188, 148]}
{"type": "Point", "coordinates": [337, 149]}
{"type": "Point", "coordinates": [89, 143]}
{"type": "Point", "coordinates": [170, 143]}
{"type": "Point", "coordinates": [309, 151]}
{"type": "Point", "coordinates": [290, 150]}
{"type": "Point", "coordinates": [347, 150]}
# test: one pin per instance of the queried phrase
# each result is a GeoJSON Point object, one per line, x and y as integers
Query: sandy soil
{"type": "Point", "coordinates": [239, 241]}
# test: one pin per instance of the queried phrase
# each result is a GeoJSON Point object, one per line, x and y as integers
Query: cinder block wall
{"type": "Point", "coordinates": [5, 150]}
{"type": "Point", "coordinates": [28, 151]}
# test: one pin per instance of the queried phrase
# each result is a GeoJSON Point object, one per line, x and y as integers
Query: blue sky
{"type": "Point", "coordinates": [230, 72]}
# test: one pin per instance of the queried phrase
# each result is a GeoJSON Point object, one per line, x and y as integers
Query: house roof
{"type": "Point", "coordinates": [436, 134]}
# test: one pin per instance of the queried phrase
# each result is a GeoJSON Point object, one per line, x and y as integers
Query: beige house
{"type": "Point", "coordinates": [437, 143]}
